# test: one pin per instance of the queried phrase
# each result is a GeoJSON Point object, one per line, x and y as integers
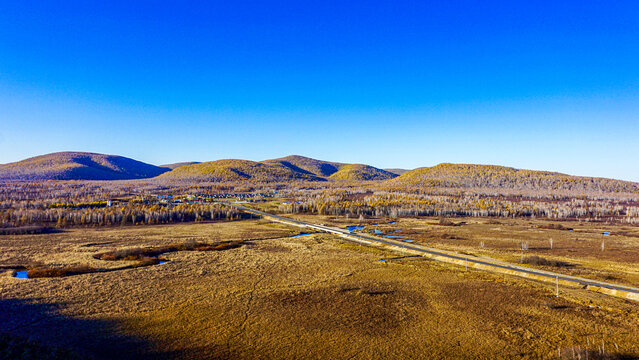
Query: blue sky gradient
{"type": "Point", "coordinates": [536, 85]}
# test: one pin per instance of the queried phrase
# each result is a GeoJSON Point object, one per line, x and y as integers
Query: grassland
{"type": "Point", "coordinates": [305, 297]}
{"type": "Point", "coordinates": [569, 247]}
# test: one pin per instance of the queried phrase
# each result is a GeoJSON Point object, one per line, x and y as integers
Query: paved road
{"type": "Point", "coordinates": [483, 262]}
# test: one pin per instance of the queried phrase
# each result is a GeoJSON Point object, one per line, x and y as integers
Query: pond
{"type": "Point", "coordinates": [22, 274]}
{"type": "Point", "coordinates": [354, 228]}
{"type": "Point", "coordinates": [395, 237]}
{"type": "Point", "coordinates": [304, 234]}
{"type": "Point", "coordinates": [606, 233]}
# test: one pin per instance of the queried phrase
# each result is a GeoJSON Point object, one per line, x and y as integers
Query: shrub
{"type": "Point", "coordinates": [445, 222]}
{"type": "Point", "coordinates": [538, 260]}
{"type": "Point", "coordinates": [59, 272]}
{"type": "Point", "coordinates": [146, 261]}
{"type": "Point", "coordinates": [142, 253]}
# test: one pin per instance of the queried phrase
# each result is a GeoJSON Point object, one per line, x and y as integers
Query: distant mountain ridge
{"type": "Point", "coordinates": [397, 171]}
{"type": "Point", "coordinates": [92, 166]}
{"type": "Point", "coordinates": [176, 165]}
{"type": "Point", "coordinates": [78, 166]}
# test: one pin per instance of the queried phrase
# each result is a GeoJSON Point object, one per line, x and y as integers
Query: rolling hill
{"type": "Point", "coordinates": [235, 170]}
{"type": "Point", "coordinates": [91, 166]}
{"type": "Point", "coordinates": [332, 170]}
{"type": "Point", "coordinates": [361, 172]}
{"type": "Point", "coordinates": [312, 166]}
{"type": "Point", "coordinates": [289, 168]}
{"type": "Point", "coordinates": [493, 176]}
{"type": "Point", "coordinates": [78, 166]}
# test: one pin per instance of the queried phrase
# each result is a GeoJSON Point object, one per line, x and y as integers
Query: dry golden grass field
{"type": "Point", "coordinates": [576, 246]}
{"type": "Point", "coordinates": [316, 296]}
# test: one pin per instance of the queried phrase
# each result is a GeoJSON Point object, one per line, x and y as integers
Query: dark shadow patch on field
{"type": "Point", "coordinates": [538, 260]}
{"type": "Point", "coordinates": [363, 308]}
{"type": "Point", "coordinates": [29, 230]}
{"type": "Point", "coordinates": [31, 330]}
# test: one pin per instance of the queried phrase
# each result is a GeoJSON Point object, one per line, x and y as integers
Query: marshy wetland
{"type": "Point", "coordinates": [284, 296]}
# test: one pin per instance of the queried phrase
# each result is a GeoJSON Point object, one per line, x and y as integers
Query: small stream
{"type": "Point", "coordinates": [357, 228]}
{"type": "Point", "coordinates": [304, 234]}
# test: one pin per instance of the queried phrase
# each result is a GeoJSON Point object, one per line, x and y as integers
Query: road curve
{"type": "Point", "coordinates": [483, 263]}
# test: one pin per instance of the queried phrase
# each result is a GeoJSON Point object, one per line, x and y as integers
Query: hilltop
{"type": "Point", "coordinates": [493, 176]}
{"type": "Point", "coordinates": [332, 170]}
{"type": "Point", "coordinates": [78, 166]}
{"type": "Point", "coordinates": [91, 166]}
{"type": "Point", "coordinates": [361, 172]}
{"type": "Point", "coordinates": [235, 169]}
{"type": "Point", "coordinates": [290, 168]}
{"type": "Point", "coordinates": [312, 166]}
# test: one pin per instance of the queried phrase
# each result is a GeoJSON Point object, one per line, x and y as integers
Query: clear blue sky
{"type": "Point", "coordinates": [550, 85]}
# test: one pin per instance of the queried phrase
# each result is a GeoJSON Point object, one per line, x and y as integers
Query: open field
{"type": "Point", "coordinates": [300, 297]}
{"type": "Point", "coordinates": [576, 246]}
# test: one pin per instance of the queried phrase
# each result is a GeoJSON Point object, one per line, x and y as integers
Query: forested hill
{"type": "Point", "coordinates": [332, 170]}
{"type": "Point", "coordinates": [237, 170]}
{"type": "Point", "coordinates": [78, 166]}
{"type": "Point", "coordinates": [91, 166]}
{"type": "Point", "coordinates": [501, 177]}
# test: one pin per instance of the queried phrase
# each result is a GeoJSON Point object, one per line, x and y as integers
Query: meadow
{"type": "Point", "coordinates": [279, 296]}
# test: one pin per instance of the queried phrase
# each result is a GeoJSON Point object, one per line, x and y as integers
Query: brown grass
{"type": "Point", "coordinates": [502, 240]}
{"type": "Point", "coordinates": [60, 272]}
{"type": "Point", "coordinates": [146, 253]}
{"type": "Point", "coordinates": [370, 308]}
{"type": "Point", "coordinates": [301, 298]}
